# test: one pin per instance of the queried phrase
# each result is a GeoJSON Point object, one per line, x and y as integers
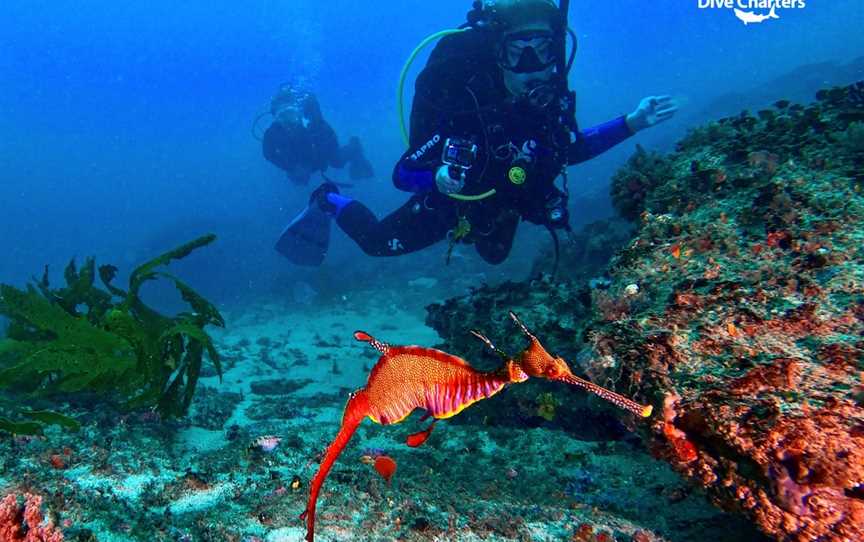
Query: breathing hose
{"type": "Point", "coordinates": [404, 74]}
{"type": "Point", "coordinates": [400, 93]}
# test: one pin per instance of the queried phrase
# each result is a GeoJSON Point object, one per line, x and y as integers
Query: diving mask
{"type": "Point", "coordinates": [287, 107]}
{"type": "Point", "coordinates": [289, 117]}
{"type": "Point", "coordinates": [528, 51]}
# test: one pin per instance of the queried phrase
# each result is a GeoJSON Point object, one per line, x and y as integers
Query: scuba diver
{"type": "Point", "coordinates": [300, 142]}
{"type": "Point", "coordinates": [492, 127]}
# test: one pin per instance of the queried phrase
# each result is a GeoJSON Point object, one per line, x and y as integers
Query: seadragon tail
{"type": "Point", "coordinates": [355, 411]}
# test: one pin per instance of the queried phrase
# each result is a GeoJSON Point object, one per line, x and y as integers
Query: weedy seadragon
{"type": "Point", "coordinates": [406, 378]}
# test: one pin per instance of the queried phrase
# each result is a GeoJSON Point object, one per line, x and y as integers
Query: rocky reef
{"type": "Point", "coordinates": [737, 309]}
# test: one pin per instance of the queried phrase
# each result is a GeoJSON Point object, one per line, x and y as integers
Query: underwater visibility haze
{"type": "Point", "coordinates": [577, 271]}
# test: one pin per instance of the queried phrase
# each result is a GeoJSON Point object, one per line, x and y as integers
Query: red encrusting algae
{"type": "Point", "coordinates": [25, 523]}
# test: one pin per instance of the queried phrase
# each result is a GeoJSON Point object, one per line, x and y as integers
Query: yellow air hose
{"type": "Point", "coordinates": [400, 100]}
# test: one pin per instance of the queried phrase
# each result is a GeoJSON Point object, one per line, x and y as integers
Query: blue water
{"type": "Point", "coordinates": [126, 126]}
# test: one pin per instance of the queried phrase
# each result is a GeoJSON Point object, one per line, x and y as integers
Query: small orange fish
{"type": "Point", "coordinates": [416, 439]}
{"type": "Point", "coordinates": [732, 329]}
{"type": "Point", "coordinates": [386, 466]}
{"type": "Point", "coordinates": [676, 251]}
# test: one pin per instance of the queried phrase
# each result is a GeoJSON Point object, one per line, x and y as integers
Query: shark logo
{"type": "Point", "coordinates": [748, 17]}
{"type": "Point", "coordinates": [751, 11]}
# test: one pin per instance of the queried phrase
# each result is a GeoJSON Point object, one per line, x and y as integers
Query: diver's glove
{"type": "Point", "coordinates": [651, 111]}
{"type": "Point", "coordinates": [449, 180]}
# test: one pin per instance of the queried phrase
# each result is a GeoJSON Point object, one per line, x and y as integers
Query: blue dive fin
{"type": "Point", "coordinates": [307, 237]}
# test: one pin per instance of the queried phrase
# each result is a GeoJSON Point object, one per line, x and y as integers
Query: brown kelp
{"type": "Point", "coordinates": [79, 338]}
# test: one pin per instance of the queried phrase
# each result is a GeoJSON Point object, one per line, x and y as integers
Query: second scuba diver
{"type": "Point", "coordinates": [300, 142]}
{"type": "Point", "coordinates": [492, 127]}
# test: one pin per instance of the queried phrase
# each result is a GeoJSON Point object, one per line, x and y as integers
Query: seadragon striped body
{"type": "Point", "coordinates": [437, 382]}
{"type": "Point", "coordinates": [406, 378]}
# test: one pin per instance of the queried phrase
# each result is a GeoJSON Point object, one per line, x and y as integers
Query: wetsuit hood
{"type": "Point", "coordinates": [505, 16]}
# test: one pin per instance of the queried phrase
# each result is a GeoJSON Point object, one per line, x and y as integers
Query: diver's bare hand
{"type": "Point", "coordinates": [651, 111]}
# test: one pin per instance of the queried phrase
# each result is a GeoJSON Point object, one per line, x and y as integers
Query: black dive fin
{"type": "Point", "coordinates": [306, 239]}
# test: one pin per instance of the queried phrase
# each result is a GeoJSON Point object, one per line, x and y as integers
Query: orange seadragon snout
{"type": "Point", "coordinates": [411, 377]}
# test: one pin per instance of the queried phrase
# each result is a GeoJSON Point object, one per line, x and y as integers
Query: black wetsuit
{"type": "Point", "coordinates": [461, 94]}
{"type": "Point", "coordinates": [301, 150]}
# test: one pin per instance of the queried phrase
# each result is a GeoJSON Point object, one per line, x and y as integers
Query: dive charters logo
{"type": "Point", "coordinates": [753, 11]}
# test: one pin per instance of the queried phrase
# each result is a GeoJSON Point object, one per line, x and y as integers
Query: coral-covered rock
{"type": "Point", "coordinates": [644, 172]}
{"type": "Point", "coordinates": [586, 252]}
{"type": "Point", "coordinates": [25, 523]}
{"type": "Point", "coordinates": [738, 310]}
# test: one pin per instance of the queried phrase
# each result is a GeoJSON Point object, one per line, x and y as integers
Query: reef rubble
{"type": "Point", "coordinates": [737, 309]}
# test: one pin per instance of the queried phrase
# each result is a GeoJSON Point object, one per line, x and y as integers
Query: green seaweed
{"type": "Point", "coordinates": [71, 354]}
{"type": "Point", "coordinates": [20, 428]}
{"type": "Point", "coordinates": [48, 417]}
{"type": "Point", "coordinates": [79, 338]}
{"type": "Point", "coordinates": [35, 421]}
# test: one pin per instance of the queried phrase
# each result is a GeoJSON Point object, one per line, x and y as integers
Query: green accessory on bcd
{"type": "Point", "coordinates": [517, 175]}
{"type": "Point", "coordinates": [461, 231]}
